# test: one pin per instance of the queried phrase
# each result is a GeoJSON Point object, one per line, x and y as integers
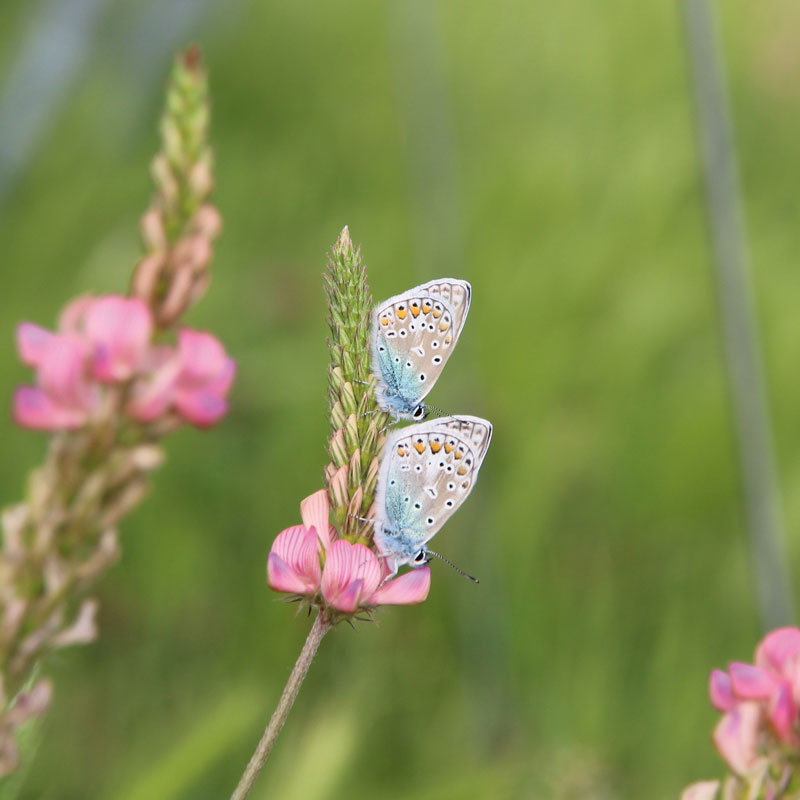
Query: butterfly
{"type": "Point", "coordinates": [413, 335]}
{"type": "Point", "coordinates": [426, 473]}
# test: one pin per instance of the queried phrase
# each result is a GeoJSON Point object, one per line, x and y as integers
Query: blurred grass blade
{"type": "Point", "coordinates": [746, 379]}
{"type": "Point", "coordinates": [192, 756]}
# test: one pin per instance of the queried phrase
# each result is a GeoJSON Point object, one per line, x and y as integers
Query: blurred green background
{"type": "Point", "coordinates": [546, 153]}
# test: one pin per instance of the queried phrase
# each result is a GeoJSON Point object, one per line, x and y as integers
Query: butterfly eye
{"type": "Point", "coordinates": [419, 558]}
{"type": "Point", "coordinates": [419, 413]}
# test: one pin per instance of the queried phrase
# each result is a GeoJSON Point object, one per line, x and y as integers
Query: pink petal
{"type": "Point", "coordinates": [35, 409]}
{"type": "Point", "coordinates": [221, 384]}
{"type": "Point", "coordinates": [783, 712]}
{"type": "Point", "coordinates": [33, 343]}
{"type": "Point", "coordinates": [298, 547]}
{"type": "Point", "coordinates": [315, 511]}
{"type": "Point", "coordinates": [736, 737]}
{"type": "Point", "coordinates": [720, 691]}
{"type": "Point", "coordinates": [751, 683]}
{"type": "Point", "coordinates": [344, 564]}
{"type": "Point", "coordinates": [702, 790]}
{"type": "Point", "coordinates": [62, 373]}
{"type": "Point", "coordinates": [202, 409]}
{"type": "Point", "coordinates": [408, 589]}
{"type": "Point", "coordinates": [119, 330]}
{"type": "Point", "coordinates": [777, 648]}
{"type": "Point", "coordinates": [349, 599]}
{"type": "Point", "coordinates": [202, 356]}
{"type": "Point", "coordinates": [282, 578]}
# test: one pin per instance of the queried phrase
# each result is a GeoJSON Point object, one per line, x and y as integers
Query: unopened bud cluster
{"type": "Point", "coordinates": [180, 226]}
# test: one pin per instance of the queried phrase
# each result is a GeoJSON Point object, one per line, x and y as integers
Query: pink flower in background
{"type": "Point", "coordinates": [194, 380]}
{"type": "Point", "coordinates": [205, 376]}
{"type": "Point", "coordinates": [64, 397]}
{"type": "Point", "coordinates": [352, 577]}
{"type": "Point", "coordinates": [759, 701]}
{"type": "Point", "coordinates": [108, 340]}
{"type": "Point", "coordinates": [119, 330]}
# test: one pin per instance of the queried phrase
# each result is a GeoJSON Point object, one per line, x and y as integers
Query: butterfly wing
{"type": "Point", "coordinates": [413, 336]}
{"type": "Point", "coordinates": [427, 472]}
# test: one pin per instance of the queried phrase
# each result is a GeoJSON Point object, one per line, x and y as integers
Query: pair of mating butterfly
{"type": "Point", "coordinates": [429, 468]}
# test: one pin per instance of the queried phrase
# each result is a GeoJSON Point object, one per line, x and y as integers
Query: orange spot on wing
{"type": "Point", "coordinates": [458, 455]}
{"type": "Point", "coordinates": [384, 320]}
{"type": "Point", "coordinates": [419, 447]}
{"type": "Point", "coordinates": [436, 447]}
{"type": "Point", "coordinates": [448, 448]}
{"type": "Point", "coordinates": [443, 326]}
{"type": "Point", "coordinates": [426, 307]}
{"type": "Point", "coordinates": [414, 310]}
{"type": "Point", "coordinates": [402, 313]}
{"type": "Point", "coordinates": [437, 313]}
{"type": "Point", "coordinates": [462, 470]}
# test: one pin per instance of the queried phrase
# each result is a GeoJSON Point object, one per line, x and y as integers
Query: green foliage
{"type": "Point", "coordinates": [557, 171]}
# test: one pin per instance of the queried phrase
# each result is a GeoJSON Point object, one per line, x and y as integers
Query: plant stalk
{"type": "Point", "coordinates": [264, 747]}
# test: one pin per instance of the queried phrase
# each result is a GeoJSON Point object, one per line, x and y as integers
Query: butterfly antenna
{"type": "Point", "coordinates": [451, 564]}
{"type": "Point", "coordinates": [440, 412]}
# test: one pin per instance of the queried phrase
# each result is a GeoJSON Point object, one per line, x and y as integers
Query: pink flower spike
{"type": "Point", "coordinates": [119, 330]}
{"type": "Point", "coordinates": [777, 648]}
{"type": "Point", "coordinates": [720, 691]}
{"type": "Point", "coordinates": [407, 589]}
{"type": "Point", "coordinates": [736, 737]}
{"type": "Point", "coordinates": [783, 712]}
{"type": "Point", "coordinates": [293, 562]}
{"type": "Point", "coordinates": [33, 343]}
{"type": "Point", "coordinates": [702, 790]}
{"type": "Point", "coordinates": [315, 513]}
{"type": "Point", "coordinates": [351, 573]}
{"type": "Point", "coordinates": [751, 683]}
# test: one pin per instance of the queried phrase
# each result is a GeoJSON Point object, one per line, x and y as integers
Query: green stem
{"type": "Point", "coordinates": [264, 747]}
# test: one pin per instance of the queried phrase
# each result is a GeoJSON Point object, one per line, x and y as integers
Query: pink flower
{"type": "Point", "coordinates": [758, 700]}
{"type": "Point", "coordinates": [64, 397]}
{"type": "Point", "coordinates": [119, 330]}
{"type": "Point", "coordinates": [104, 338]}
{"type": "Point", "coordinates": [107, 340]}
{"type": "Point", "coordinates": [205, 376]}
{"type": "Point", "coordinates": [352, 577]}
{"type": "Point", "coordinates": [194, 380]}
